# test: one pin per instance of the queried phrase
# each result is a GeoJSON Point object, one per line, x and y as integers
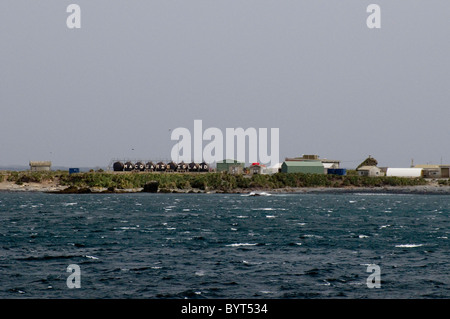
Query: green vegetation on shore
{"type": "Point", "coordinates": [205, 181]}
{"type": "Point", "coordinates": [22, 177]}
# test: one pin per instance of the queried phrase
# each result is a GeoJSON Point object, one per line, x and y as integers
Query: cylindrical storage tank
{"type": "Point", "coordinates": [182, 166]}
{"type": "Point", "coordinates": [204, 167]}
{"type": "Point", "coordinates": [160, 167]}
{"type": "Point", "coordinates": [194, 167]}
{"type": "Point", "coordinates": [128, 167]}
{"type": "Point", "coordinates": [150, 166]}
{"type": "Point", "coordinates": [118, 167]}
{"type": "Point", "coordinates": [171, 166]}
{"type": "Point", "coordinates": [139, 166]}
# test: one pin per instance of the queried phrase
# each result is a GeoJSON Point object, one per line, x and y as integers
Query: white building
{"type": "Point", "coordinates": [405, 172]}
{"type": "Point", "coordinates": [369, 171]}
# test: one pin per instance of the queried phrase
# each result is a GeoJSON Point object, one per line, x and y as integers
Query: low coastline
{"type": "Point", "coordinates": [56, 188]}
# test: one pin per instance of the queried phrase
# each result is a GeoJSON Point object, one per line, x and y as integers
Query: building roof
{"type": "Point", "coordinates": [302, 159]}
{"type": "Point", "coordinates": [426, 166]}
{"type": "Point", "coordinates": [40, 163]}
{"type": "Point", "coordinates": [303, 163]}
{"type": "Point", "coordinates": [367, 168]}
{"type": "Point", "coordinates": [432, 166]}
{"type": "Point", "coordinates": [230, 161]}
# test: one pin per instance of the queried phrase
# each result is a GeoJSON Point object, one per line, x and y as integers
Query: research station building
{"type": "Point", "coordinates": [435, 171]}
{"type": "Point", "coordinates": [305, 167]}
{"type": "Point", "coordinates": [369, 171]}
{"type": "Point", "coordinates": [40, 166]}
{"type": "Point", "coordinates": [230, 166]}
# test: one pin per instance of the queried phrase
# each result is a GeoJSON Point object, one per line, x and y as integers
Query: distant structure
{"type": "Point", "coordinates": [204, 167]}
{"type": "Point", "coordinates": [306, 167]}
{"type": "Point", "coordinates": [257, 168]}
{"type": "Point", "coordinates": [182, 167]}
{"type": "Point", "coordinates": [230, 166]}
{"type": "Point", "coordinates": [312, 164]}
{"type": "Point", "coordinates": [160, 167]}
{"type": "Point", "coordinates": [370, 161]}
{"type": "Point", "coordinates": [171, 167]}
{"type": "Point", "coordinates": [194, 167]}
{"type": "Point", "coordinates": [327, 163]}
{"type": "Point", "coordinates": [404, 172]}
{"type": "Point", "coordinates": [275, 168]}
{"type": "Point", "coordinates": [40, 166]}
{"type": "Point", "coordinates": [74, 170]}
{"type": "Point", "coordinates": [118, 167]}
{"type": "Point", "coordinates": [150, 166]}
{"type": "Point", "coordinates": [435, 171]}
{"type": "Point", "coordinates": [337, 171]}
{"type": "Point", "coordinates": [128, 166]}
{"type": "Point", "coordinates": [369, 171]}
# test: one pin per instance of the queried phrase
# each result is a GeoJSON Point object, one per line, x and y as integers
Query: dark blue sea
{"type": "Point", "coordinates": [224, 245]}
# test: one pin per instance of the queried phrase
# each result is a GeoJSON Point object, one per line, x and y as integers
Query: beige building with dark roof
{"type": "Point", "coordinates": [369, 171]}
{"type": "Point", "coordinates": [39, 166]}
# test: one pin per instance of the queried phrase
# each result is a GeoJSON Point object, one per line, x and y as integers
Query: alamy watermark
{"type": "Point", "coordinates": [236, 139]}
{"type": "Point", "coordinates": [74, 279]}
{"type": "Point", "coordinates": [73, 21]}
{"type": "Point", "coordinates": [374, 279]}
{"type": "Point", "coordinates": [373, 21]}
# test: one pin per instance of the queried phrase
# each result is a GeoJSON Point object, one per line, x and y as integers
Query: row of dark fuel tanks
{"type": "Point", "coordinates": [160, 167]}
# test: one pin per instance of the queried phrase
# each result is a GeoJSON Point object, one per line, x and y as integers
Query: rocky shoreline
{"type": "Point", "coordinates": [54, 188]}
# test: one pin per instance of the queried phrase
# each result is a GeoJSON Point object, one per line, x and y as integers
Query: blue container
{"type": "Point", "coordinates": [73, 170]}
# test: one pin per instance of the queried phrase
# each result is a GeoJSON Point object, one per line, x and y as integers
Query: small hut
{"type": "Point", "coordinates": [369, 171]}
{"type": "Point", "coordinates": [256, 168]}
{"type": "Point", "coordinates": [40, 166]}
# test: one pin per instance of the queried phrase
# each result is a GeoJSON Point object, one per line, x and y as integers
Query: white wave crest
{"type": "Point", "coordinates": [70, 204]}
{"type": "Point", "coordinates": [91, 257]}
{"type": "Point", "coordinates": [409, 245]}
{"type": "Point", "coordinates": [241, 244]}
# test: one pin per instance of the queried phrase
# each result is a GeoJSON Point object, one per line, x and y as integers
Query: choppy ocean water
{"type": "Point", "coordinates": [224, 245]}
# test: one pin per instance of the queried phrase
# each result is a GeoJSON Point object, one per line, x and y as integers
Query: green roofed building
{"type": "Point", "coordinates": [306, 167]}
{"type": "Point", "coordinates": [230, 166]}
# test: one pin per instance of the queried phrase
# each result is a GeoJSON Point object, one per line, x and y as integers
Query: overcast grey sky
{"type": "Point", "coordinates": [136, 69]}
